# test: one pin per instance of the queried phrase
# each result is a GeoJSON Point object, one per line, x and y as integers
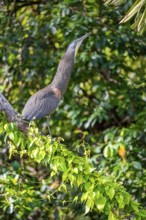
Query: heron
{"type": "Point", "coordinates": [45, 101]}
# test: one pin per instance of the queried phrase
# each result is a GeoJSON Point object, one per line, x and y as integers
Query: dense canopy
{"type": "Point", "coordinates": [96, 164]}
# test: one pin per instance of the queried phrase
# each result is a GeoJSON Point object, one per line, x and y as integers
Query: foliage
{"type": "Point", "coordinates": [99, 168]}
{"type": "Point", "coordinates": [97, 191]}
{"type": "Point", "coordinates": [138, 9]}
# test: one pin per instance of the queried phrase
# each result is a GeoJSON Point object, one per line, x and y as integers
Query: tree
{"type": "Point", "coordinates": [138, 9]}
{"type": "Point", "coordinates": [99, 168]}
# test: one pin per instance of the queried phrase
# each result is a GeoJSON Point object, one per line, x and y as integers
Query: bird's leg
{"type": "Point", "coordinates": [48, 122]}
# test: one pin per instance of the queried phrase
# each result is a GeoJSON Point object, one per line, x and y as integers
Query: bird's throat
{"type": "Point", "coordinates": [63, 74]}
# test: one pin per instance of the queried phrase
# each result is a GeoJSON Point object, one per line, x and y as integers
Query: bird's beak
{"type": "Point", "coordinates": [79, 42]}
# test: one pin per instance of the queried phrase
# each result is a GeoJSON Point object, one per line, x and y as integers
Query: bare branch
{"type": "Point", "coordinates": [12, 115]}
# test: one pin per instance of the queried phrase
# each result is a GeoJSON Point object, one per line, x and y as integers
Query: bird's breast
{"type": "Point", "coordinates": [57, 93]}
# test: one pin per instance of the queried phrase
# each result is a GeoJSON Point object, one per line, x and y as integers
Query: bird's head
{"type": "Point", "coordinates": [74, 45]}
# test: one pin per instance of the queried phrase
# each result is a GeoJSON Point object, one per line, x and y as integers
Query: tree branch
{"type": "Point", "coordinates": [12, 115]}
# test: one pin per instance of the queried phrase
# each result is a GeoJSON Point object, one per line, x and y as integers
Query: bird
{"type": "Point", "coordinates": [45, 101]}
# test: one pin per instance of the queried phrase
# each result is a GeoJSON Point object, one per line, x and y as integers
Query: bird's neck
{"type": "Point", "coordinates": [64, 70]}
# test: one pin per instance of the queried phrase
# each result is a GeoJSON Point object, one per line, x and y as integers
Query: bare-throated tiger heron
{"type": "Point", "coordinates": [45, 101]}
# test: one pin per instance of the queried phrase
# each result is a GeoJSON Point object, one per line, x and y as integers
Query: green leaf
{"type": "Point", "coordinates": [63, 166]}
{"type": "Point", "coordinates": [111, 216]}
{"type": "Point", "coordinates": [75, 199]}
{"type": "Point", "coordinates": [11, 135]}
{"type": "Point", "coordinates": [89, 186]}
{"type": "Point", "coordinates": [48, 197]}
{"type": "Point", "coordinates": [63, 187]}
{"type": "Point", "coordinates": [110, 192]}
{"type": "Point", "coordinates": [79, 179]}
{"type": "Point", "coordinates": [108, 151]}
{"type": "Point", "coordinates": [100, 203]}
{"type": "Point", "coordinates": [6, 127]}
{"type": "Point", "coordinates": [84, 197]}
{"type": "Point", "coordinates": [137, 165]}
{"type": "Point", "coordinates": [120, 200]}
{"type": "Point", "coordinates": [40, 155]}
{"type": "Point", "coordinates": [134, 205]}
{"type": "Point", "coordinates": [65, 176]}
{"type": "Point", "coordinates": [71, 178]}
{"type": "Point", "coordinates": [75, 170]}
{"type": "Point", "coordinates": [87, 209]}
{"type": "Point", "coordinates": [142, 213]}
{"type": "Point", "coordinates": [12, 150]}
{"type": "Point", "coordinates": [89, 205]}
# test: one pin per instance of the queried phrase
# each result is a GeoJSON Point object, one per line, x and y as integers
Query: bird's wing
{"type": "Point", "coordinates": [40, 104]}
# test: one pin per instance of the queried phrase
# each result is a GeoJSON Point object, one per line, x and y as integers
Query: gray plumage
{"type": "Point", "coordinates": [45, 101]}
{"type": "Point", "coordinates": [42, 103]}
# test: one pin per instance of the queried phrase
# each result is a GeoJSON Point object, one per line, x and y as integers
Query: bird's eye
{"type": "Point", "coordinates": [72, 46]}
